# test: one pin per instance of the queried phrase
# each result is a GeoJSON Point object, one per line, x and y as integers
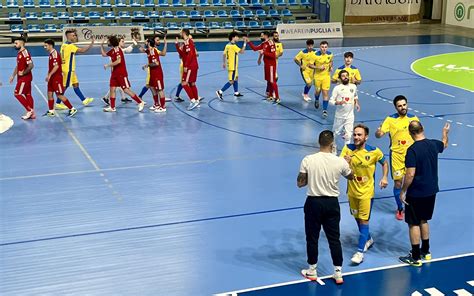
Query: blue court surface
{"type": "Point", "coordinates": [205, 201]}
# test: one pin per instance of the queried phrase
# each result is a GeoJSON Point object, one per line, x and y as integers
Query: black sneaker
{"type": "Point", "coordinates": [316, 104]}
{"type": "Point", "coordinates": [219, 94]}
{"type": "Point", "coordinates": [178, 99]}
{"type": "Point", "coordinates": [425, 256]}
{"type": "Point", "coordinates": [106, 101]}
{"type": "Point", "coordinates": [126, 100]}
{"type": "Point", "coordinates": [325, 114]}
{"type": "Point", "coordinates": [237, 94]}
{"type": "Point", "coordinates": [408, 259]}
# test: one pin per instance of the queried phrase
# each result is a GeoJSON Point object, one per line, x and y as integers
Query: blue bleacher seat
{"type": "Point", "coordinates": [209, 14]}
{"type": "Point", "coordinates": [189, 3]}
{"type": "Point", "coordinates": [227, 25]}
{"type": "Point", "coordinates": [177, 3]}
{"type": "Point", "coordinates": [28, 4]}
{"type": "Point", "coordinates": [120, 3]}
{"type": "Point", "coordinates": [127, 24]}
{"type": "Point", "coordinates": [63, 15]}
{"type": "Point", "coordinates": [203, 3]}
{"type": "Point", "coordinates": [255, 3]}
{"type": "Point", "coordinates": [248, 14]}
{"type": "Point", "coordinates": [90, 3]}
{"type": "Point", "coordinates": [94, 15]}
{"type": "Point", "coordinates": [293, 2]}
{"type": "Point", "coordinates": [306, 3]}
{"type": "Point", "coordinates": [75, 3]}
{"type": "Point", "coordinates": [235, 13]}
{"type": "Point", "coordinates": [50, 28]}
{"type": "Point", "coordinates": [16, 28]}
{"type": "Point", "coordinates": [60, 3]}
{"type": "Point", "coordinates": [286, 12]}
{"type": "Point", "coordinates": [261, 13]}
{"type": "Point", "coordinates": [172, 26]}
{"type": "Point", "coordinates": [267, 25]}
{"type": "Point", "coordinates": [31, 15]}
{"type": "Point", "coordinates": [222, 13]}
{"type": "Point", "coordinates": [195, 14]}
{"type": "Point", "coordinates": [186, 25]}
{"type": "Point", "coordinates": [78, 15]}
{"type": "Point", "coordinates": [201, 26]}
{"type": "Point", "coordinates": [14, 16]}
{"type": "Point", "coordinates": [163, 3]}
{"type": "Point", "coordinates": [146, 26]}
{"type": "Point", "coordinates": [109, 15]}
{"type": "Point", "coordinates": [62, 26]}
{"type": "Point", "coordinates": [135, 3]}
{"type": "Point", "coordinates": [240, 25]}
{"type": "Point", "coordinates": [280, 2]}
{"type": "Point", "coordinates": [105, 3]}
{"type": "Point", "coordinates": [277, 22]}
{"type": "Point", "coordinates": [214, 25]}
{"type": "Point", "coordinates": [47, 15]}
{"type": "Point", "coordinates": [12, 4]}
{"type": "Point", "coordinates": [273, 13]}
{"type": "Point", "coordinates": [291, 22]}
{"type": "Point", "coordinates": [254, 25]}
{"type": "Point", "coordinates": [124, 15]}
{"type": "Point", "coordinates": [216, 3]}
{"type": "Point", "coordinates": [230, 3]}
{"type": "Point", "coordinates": [267, 3]}
{"type": "Point", "coordinates": [158, 26]}
{"type": "Point", "coordinates": [34, 28]}
{"type": "Point", "coordinates": [97, 24]}
{"type": "Point", "coordinates": [44, 4]}
{"type": "Point", "coordinates": [181, 14]}
{"type": "Point", "coordinates": [149, 3]}
{"type": "Point", "coordinates": [243, 3]}
{"type": "Point", "coordinates": [153, 14]}
{"type": "Point", "coordinates": [138, 15]}
{"type": "Point", "coordinates": [167, 14]}
{"type": "Point", "coordinates": [112, 24]}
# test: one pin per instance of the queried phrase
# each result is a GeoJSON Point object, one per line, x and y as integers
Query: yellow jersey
{"type": "Point", "coordinates": [353, 73]}
{"type": "Point", "coordinates": [397, 127]}
{"type": "Point", "coordinates": [306, 58]}
{"type": "Point", "coordinates": [231, 52]}
{"type": "Point", "coordinates": [278, 49]}
{"type": "Point", "coordinates": [363, 165]}
{"type": "Point", "coordinates": [68, 56]}
{"type": "Point", "coordinates": [323, 60]}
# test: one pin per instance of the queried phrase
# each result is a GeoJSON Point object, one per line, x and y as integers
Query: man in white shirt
{"type": "Point", "coordinates": [344, 96]}
{"type": "Point", "coordinates": [321, 172]}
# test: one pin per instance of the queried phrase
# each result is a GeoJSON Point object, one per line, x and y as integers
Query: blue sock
{"type": "Point", "coordinates": [236, 86]}
{"type": "Point", "coordinates": [316, 97]}
{"type": "Point", "coordinates": [363, 236]}
{"type": "Point", "coordinates": [143, 92]}
{"type": "Point", "coordinates": [58, 101]}
{"type": "Point", "coordinates": [78, 92]}
{"type": "Point", "coordinates": [225, 87]}
{"type": "Point", "coordinates": [179, 89]}
{"type": "Point", "coordinates": [396, 193]}
{"type": "Point", "coordinates": [325, 105]}
{"type": "Point", "coordinates": [306, 89]}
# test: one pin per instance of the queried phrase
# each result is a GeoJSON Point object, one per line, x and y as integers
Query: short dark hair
{"type": "Point", "coordinates": [360, 125]}
{"type": "Point", "coordinates": [348, 54]}
{"type": "Point", "coordinates": [323, 42]}
{"type": "Point", "coordinates": [20, 38]}
{"type": "Point", "coordinates": [69, 31]}
{"type": "Point", "coordinates": [151, 41]}
{"type": "Point", "coordinates": [326, 138]}
{"type": "Point", "coordinates": [340, 73]}
{"type": "Point", "coordinates": [274, 32]}
{"type": "Point", "coordinates": [399, 98]}
{"type": "Point", "coordinates": [232, 35]}
{"type": "Point", "coordinates": [310, 42]}
{"type": "Point", "coordinates": [415, 127]}
{"type": "Point", "coordinates": [113, 40]}
{"type": "Point", "coordinates": [266, 33]}
{"type": "Point", "coordinates": [186, 31]}
{"type": "Point", "coordinates": [49, 41]}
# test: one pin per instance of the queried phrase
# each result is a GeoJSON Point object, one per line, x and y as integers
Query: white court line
{"type": "Point", "coordinates": [434, 292]}
{"type": "Point", "coordinates": [471, 283]}
{"type": "Point", "coordinates": [462, 292]}
{"type": "Point", "coordinates": [443, 93]}
{"type": "Point", "coordinates": [344, 274]}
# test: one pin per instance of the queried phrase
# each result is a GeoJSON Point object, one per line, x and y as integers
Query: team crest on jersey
{"type": "Point", "coordinates": [367, 157]}
{"type": "Point", "coordinates": [351, 90]}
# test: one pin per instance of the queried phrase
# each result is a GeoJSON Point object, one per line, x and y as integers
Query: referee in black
{"type": "Point", "coordinates": [321, 172]}
{"type": "Point", "coordinates": [419, 189]}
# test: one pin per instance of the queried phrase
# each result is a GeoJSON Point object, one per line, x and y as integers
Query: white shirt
{"type": "Point", "coordinates": [324, 170]}
{"type": "Point", "coordinates": [347, 94]}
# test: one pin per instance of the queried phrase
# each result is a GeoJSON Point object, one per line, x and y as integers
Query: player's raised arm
{"type": "Point", "coordinates": [165, 47]}
{"type": "Point", "coordinates": [85, 49]}
{"type": "Point", "coordinates": [102, 49]}
{"type": "Point", "coordinates": [445, 135]}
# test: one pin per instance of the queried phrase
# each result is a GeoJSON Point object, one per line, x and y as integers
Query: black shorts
{"type": "Point", "coordinates": [419, 209]}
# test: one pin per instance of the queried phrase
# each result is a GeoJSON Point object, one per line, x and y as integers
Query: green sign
{"type": "Point", "coordinates": [459, 11]}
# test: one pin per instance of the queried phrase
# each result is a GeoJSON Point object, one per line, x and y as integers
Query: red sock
{"type": "Point", "coordinates": [270, 89]}
{"type": "Point", "coordinates": [67, 103]}
{"type": "Point", "coordinates": [275, 89]}
{"type": "Point", "coordinates": [155, 99]}
{"type": "Point", "coordinates": [112, 102]}
{"type": "Point", "coordinates": [30, 101]}
{"type": "Point", "coordinates": [189, 91]}
{"type": "Point", "coordinates": [162, 101]}
{"type": "Point", "coordinates": [195, 91]}
{"type": "Point", "coordinates": [136, 99]}
{"type": "Point", "coordinates": [51, 104]}
{"type": "Point", "coordinates": [23, 102]}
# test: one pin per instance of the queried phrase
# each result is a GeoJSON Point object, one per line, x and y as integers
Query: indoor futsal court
{"type": "Point", "coordinates": [205, 202]}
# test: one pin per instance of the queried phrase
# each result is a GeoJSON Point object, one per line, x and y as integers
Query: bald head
{"type": "Point", "coordinates": [415, 128]}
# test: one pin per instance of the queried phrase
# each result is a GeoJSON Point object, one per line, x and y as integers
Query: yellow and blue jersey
{"type": "Point", "coordinates": [397, 127]}
{"type": "Point", "coordinates": [278, 49]}
{"type": "Point", "coordinates": [306, 58]}
{"type": "Point", "coordinates": [68, 55]}
{"type": "Point", "coordinates": [323, 60]}
{"type": "Point", "coordinates": [353, 73]}
{"type": "Point", "coordinates": [363, 165]}
{"type": "Point", "coordinates": [231, 52]}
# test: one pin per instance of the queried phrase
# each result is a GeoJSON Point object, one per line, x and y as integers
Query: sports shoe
{"type": "Point", "coordinates": [194, 103]}
{"type": "Point", "coordinates": [357, 258]}
{"type": "Point", "coordinates": [399, 215]}
{"type": "Point", "coordinates": [109, 109]}
{"type": "Point", "coordinates": [60, 106]}
{"type": "Point", "coordinates": [178, 99]}
{"type": "Point", "coordinates": [87, 101]}
{"type": "Point", "coordinates": [408, 259]}
{"type": "Point", "coordinates": [425, 256]}
{"type": "Point", "coordinates": [337, 276]}
{"type": "Point", "coordinates": [27, 115]}
{"type": "Point", "coordinates": [325, 114]}
{"type": "Point", "coordinates": [141, 105]}
{"type": "Point", "coordinates": [238, 95]}
{"type": "Point", "coordinates": [368, 244]}
{"type": "Point", "coordinates": [160, 110]}
{"type": "Point", "coordinates": [33, 114]}
{"type": "Point", "coordinates": [106, 101]}
{"type": "Point", "coordinates": [219, 95]}
{"type": "Point", "coordinates": [201, 99]}
{"type": "Point", "coordinates": [154, 107]}
{"type": "Point", "coordinates": [49, 113]}
{"type": "Point", "coordinates": [316, 104]}
{"type": "Point", "coordinates": [72, 112]}
{"type": "Point", "coordinates": [310, 273]}
{"type": "Point", "coordinates": [276, 101]}
{"type": "Point", "coordinates": [126, 100]}
{"type": "Point", "coordinates": [306, 98]}
{"type": "Point", "coordinates": [269, 98]}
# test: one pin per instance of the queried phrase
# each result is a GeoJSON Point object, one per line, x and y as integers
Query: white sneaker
{"type": "Point", "coordinates": [160, 110]}
{"type": "Point", "coordinates": [306, 98]}
{"type": "Point", "coordinates": [337, 276]}
{"type": "Point", "coordinates": [357, 258]}
{"type": "Point", "coordinates": [153, 108]}
{"type": "Point", "coordinates": [27, 115]}
{"type": "Point", "coordinates": [310, 273]}
{"type": "Point", "coordinates": [141, 106]}
{"type": "Point", "coordinates": [368, 244]}
{"type": "Point", "coordinates": [109, 109]}
{"type": "Point", "coordinates": [194, 103]}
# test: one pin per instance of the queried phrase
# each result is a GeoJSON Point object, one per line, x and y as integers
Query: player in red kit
{"type": "Point", "coordinates": [268, 49]}
{"type": "Point", "coordinates": [55, 80]}
{"type": "Point", "coordinates": [157, 81]}
{"type": "Point", "coordinates": [24, 65]}
{"type": "Point", "coordinates": [190, 67]}
{"type": "Point", "coordinates": [119, 76]}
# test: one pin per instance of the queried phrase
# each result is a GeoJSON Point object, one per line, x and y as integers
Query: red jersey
{"type": "Point", "coordinates": [269, 52]}
{"type": "Point", "coordinates": [55, 60]}
{"type": "Point", "coordinates": [154, 57]}
{"type": "Point", "coordinates": [190, 57]}
{"type": "Point", "coordinates": [23, 59]}
{"type": "Point", "coordinates": [120, 69]}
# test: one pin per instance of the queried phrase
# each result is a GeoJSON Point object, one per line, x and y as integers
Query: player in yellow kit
{"type": "Point", "coordinates": [397, 127]}
{"type": "Point", "coordinates": [322, 76]}
{"type": "Point", "coordinates": [278, 47]}
{"type": "Point", "coordinates": [231, 62]}
{"type": "Point", "coordinates": [68, 57]}
{"type": "Point", "coordinates": [305, 59]}
{"type": "Point", "coordinates": [354, 73]}
{"type": "Point", "coordinates": [363, 159]}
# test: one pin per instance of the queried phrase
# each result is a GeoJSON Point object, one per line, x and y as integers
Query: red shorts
{"type": "Point", "coordinates": [190, 75]}
{"type": "Point", "coordinates": [270, 73]}
{"type": "Point", "coordinates": [56, 86]}
{"type": "Point", "coordinates": [157, 81]}
{"type": "Point", "coordinates": [119, 81]}
{"type": "Point", "coordinates": [23, 87]}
